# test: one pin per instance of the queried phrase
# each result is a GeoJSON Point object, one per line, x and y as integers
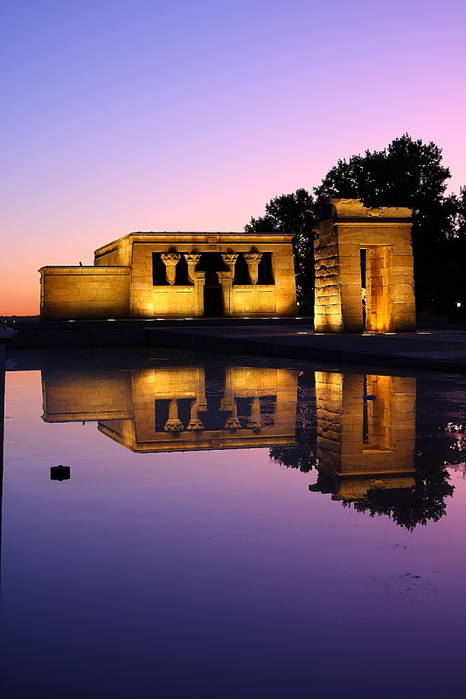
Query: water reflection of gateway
{"type": "Point", "coordinates": [179, 408]}
{"type": "Point", "coordinates": [365, 433]}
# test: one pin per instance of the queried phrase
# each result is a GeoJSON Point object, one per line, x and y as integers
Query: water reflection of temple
{"type": "Point", "coordinates": [365, 433]}
{"type": "Point", "coordinates": [357, 430]}
{"type": "Point", "coordinates": [179, 408]}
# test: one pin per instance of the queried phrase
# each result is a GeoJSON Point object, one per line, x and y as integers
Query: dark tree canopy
{"type": "Point", "coordinates": [290, 213]}
{"type": "Point", "coordinates": [407, 172]}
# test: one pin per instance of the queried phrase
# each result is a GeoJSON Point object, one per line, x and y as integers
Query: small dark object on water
{"type": "Point", "coordinates": [60, 473]}
{"type": "Point", "coordinates": [370, 396]}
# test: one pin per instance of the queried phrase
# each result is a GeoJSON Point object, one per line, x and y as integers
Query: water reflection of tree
{"type": "Point", "coordinates": [302, 454]}
{"type": "Point", "coordinates": [425, 501]}
{"type": "Point", "coordinates": [407, 507]}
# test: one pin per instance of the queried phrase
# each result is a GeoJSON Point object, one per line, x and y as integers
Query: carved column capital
{"type": "Point", "coordinates": [229, 259]}
{"type": "Point", "coordinates": [170, 260]}
{"type": "Point", "coordinates": [195, 424]}
{"type": "Point", "coordinates": [192, 258]}
{"type": "Point", "coordinates": [253, 259]}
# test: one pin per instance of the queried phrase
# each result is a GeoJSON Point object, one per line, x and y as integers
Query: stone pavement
{"type": "Point", "coordinates": [439, 350]}
{"type": "Point", "coordinates": [432, 349]}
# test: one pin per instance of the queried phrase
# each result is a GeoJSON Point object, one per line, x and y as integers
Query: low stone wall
{"type": "Point", "coordinates": [84, 292]}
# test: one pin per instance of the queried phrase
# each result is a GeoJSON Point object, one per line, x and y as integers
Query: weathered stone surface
{"type": "Point", "coordinates": [385, 234]}
{"type": "Point", "coordinates": [100, 291]}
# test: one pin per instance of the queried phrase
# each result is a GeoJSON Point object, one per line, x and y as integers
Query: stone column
{"type": "Point", "coordinates": [170, 259]}
{"type": "Point", "coordinates": [253, 259]}
{"type": "Point", "coordinates": [228, 401]}
{"type": "Point", "coordinates": [255, 420]}
{"type": "Point", "coordinates": [229, 259]}
{"type": "Point", "coordinates": [232, 422]}
{"type": "Point", "coordinates": [192, 259]}
{"type": "Point", "coordinates": [173, 424]}
{"type": "Point", "coordinates": [195, 424]}
{"type": "Point", "coordinates": [226, 282]}
{"type": "Point", "coordinates": [198, 279]}
{"type": "Point", "coordinates": [201, 398]}
{"type": "Point", "coordinates": [199, 283]}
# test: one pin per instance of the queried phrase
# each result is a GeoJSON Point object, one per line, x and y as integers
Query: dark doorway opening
{"type": "Point", "coordinates": [159, 274]}
{"type": "Point", "coordinates": [363, 263]}
{"type": "Point", "coordinates": [265, 269]}
{"type": "Point", "coordinates": [211, 263]}
{"type": "Point", "coordinates": [241, 271]}
{"type": "Point", "coordinates": [182, 278]}
{"type": "Point", "coordinates": [213, 296]}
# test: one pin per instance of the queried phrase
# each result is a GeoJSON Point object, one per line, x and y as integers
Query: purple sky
{"type": "Point", "coordinates": [121, 116]}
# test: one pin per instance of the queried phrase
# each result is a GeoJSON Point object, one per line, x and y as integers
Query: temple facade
{"type": "Point", "coordinates": [169, 275]}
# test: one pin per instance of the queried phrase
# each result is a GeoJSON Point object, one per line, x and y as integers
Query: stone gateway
{"type": "Point", "coordinates": [364, 269]}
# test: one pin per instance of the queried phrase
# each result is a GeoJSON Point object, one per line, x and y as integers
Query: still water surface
{"type": "Point", "coordinates": [232, 530]}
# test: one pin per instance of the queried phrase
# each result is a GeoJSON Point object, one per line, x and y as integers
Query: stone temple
{"type": "Point", "coordinates": [363, 274]}
{"type": "Point", "coordinates": [168, 275]}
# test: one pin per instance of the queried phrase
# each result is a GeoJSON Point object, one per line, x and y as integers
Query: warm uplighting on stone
{"type": "Point", "coordinates": [364, 269]}
{"type": "Point", "coordinates": [171, 275]}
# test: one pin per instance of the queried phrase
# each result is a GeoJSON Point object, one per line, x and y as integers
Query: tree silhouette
{"type": "Point", "coordinates": [409, 507]}
{"type": "Point", "coordinates": [406, 173]}
{"type": "Point", "coordinates": [290, 213]}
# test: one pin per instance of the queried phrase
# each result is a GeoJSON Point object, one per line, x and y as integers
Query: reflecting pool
{"type": "Point", "coordinates": [228, 527]}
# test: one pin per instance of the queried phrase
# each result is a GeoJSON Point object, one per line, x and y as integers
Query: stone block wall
{"type": "Point", "coordinates": [385, 234]}
{"type": "Point", "coordinates": [147, 300]}
{"type": "Point", "coordinates": [121, 282]}
{"type": "Point", "coordinates": [328, 310]}
{"type": "Point", "coordinates": [74, 396]}
{"type": "Point", "coordinates": [84, 292]}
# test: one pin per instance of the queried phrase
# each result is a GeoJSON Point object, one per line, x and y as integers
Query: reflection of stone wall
{"type": "Point", "coordinates": [213, 421]}
{"type": "Point", "coordinates": [365, 443]}
{"type": "Point", "coordinates": [85, 395]}
{"type": "Point", "coordinates": [386, 235]}
{"type": "Point", "coordinates": [175, 408]}
{"type": "Point", "coordinates": [121, 284]}
{"type": "Point", "coordinates": [84, 292]}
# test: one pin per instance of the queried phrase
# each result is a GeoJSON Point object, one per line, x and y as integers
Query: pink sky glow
{"type": "Point", "coordinates": [150, 116]}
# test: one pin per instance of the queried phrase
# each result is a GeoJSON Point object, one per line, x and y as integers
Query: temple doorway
{"type": "Point", "coordinates": [376, 304]}
{"type": "Point", "coordinates": [211, 263]}
{"type": "Point", "coordinates": [213, 295]}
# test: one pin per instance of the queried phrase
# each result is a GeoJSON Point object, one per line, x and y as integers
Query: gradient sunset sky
{"type": "Point", "coordinates": [145, 115]}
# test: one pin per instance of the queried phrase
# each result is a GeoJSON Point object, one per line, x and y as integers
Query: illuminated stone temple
{"type": "Point", "coordinates": [364, 269]}
{"type": "Point", "coordinates": [147, 275]}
